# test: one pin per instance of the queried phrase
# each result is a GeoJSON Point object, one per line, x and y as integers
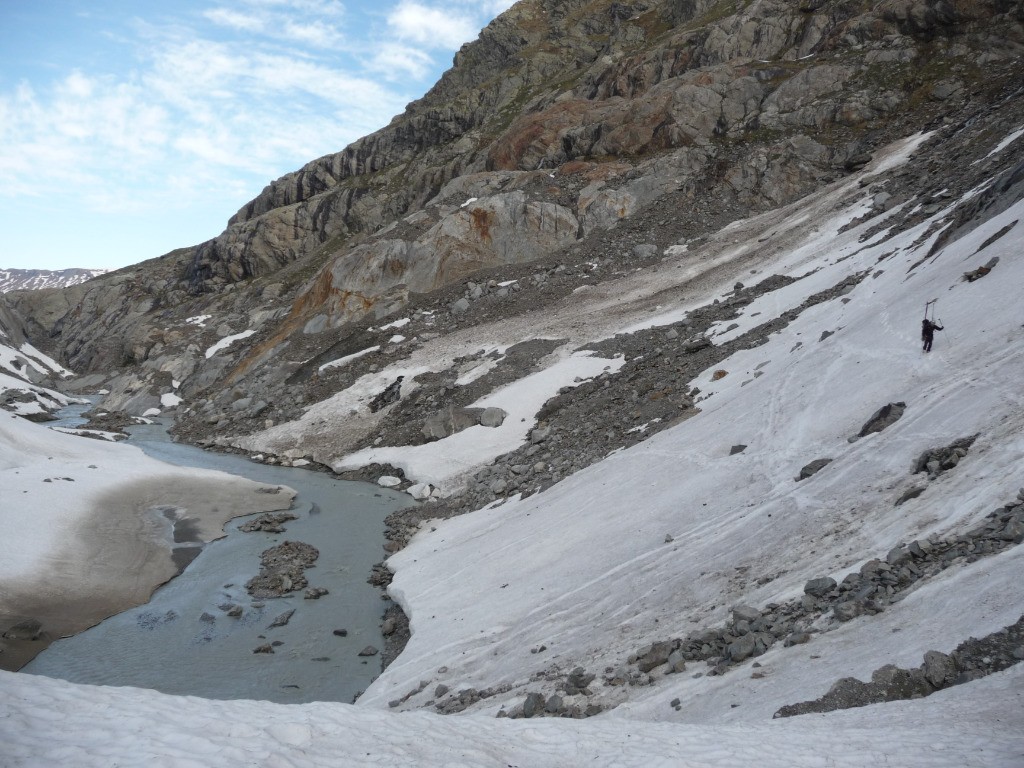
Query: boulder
{"type": "Point", "coordinates": [742, 648]}
{"type": "Point", "coordinates": [676, 662]}
{"type": "Point", "coordinates": [492, 417]}
{"type": "Point", "coordinates": [812, 468]}
{"type": "Point", "coordinates": [654, 656]}
{"type": "Point", "coordinates": [282, 620]}
{"type": "Point", "coordinates": [554, 705]}
{"type": "Point", "coordinates": [449, 421]}
{"type": "Point", "coordinates": [695, 345]}
{"type": "Point", "coordinates": [819, 587]}
{"type": "Point", "coordinates": [533, 705]}
{"type": "Point", "coordinates": [939, 669]}
{"type": "Point", "coordinates": [745, 613]}
{"type": "Point", "coordinates": [848, 610]}
{"type": "Point", "coordinates": [884, 417]}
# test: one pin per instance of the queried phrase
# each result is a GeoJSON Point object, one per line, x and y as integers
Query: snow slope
{"type": "Point", "coordinates": [21, 367]}
{"type": "Point", "coordinates": [583, 574]}
{"type": "Point", "coordinates": [485, 590]}
{"type": "Point", "coordinates": [46, 722]}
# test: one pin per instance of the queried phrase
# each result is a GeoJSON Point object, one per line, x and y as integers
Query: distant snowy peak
{"type": "Point", "coordinates": [36, 279]}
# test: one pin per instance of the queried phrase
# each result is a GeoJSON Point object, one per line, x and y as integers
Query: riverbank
{"type": "Point", "coordinates": [100, 527]}
{"type": "Point", "coordinates": [206, 633]}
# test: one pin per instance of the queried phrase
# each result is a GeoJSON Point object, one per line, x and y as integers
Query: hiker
{"type": "Point", "coordinates": [388, 396]}
{"type": "Point", "coordinates": [928, 329]}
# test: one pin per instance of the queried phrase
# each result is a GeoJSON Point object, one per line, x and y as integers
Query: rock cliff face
{"type": "Point", "coordinates": [801, 86]}
{"type": "Point", "coordinates": [566, 124]}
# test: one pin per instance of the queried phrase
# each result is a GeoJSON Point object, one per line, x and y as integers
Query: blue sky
{"type": "Point", "coordinates": [129, 127]}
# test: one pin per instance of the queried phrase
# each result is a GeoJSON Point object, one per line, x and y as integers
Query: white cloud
{"type": "Point", "coordinates": [306, 22]}
{"type": "Point", "coordinates": [315, 7]}
{"type": "Point", "coordinates": [317, 34]}
{"type": "Point", "coordinates": [225, 17]}
{"type": "Point", "coordinates": [212, 106]}
{"type": "Point", "coordinates": [395, 61]}
{"type": "Point", "coordinates": [432, 27]}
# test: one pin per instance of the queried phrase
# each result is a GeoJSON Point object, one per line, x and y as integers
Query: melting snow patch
{"type": "Point", "coordinates": [442, 462]}
{"type": "Point", "coordinates": [643, 427]}
{"type": "Point", "coordinates": [199, 320]}
{"type": "Point", "coordinates": [1002, 145]}
{"type": "Point", "coordinates": [396, 324]}
{"type": "Point", "coordinates": [169, 400]}
{"type": "Point", "coordinates": [31, 408]}
{"type": "Point", "coordinates": [477, 371]}
{"type": "Point", "coordinates": [348, 358]}
{"type": "Point", "coordinates": [38, 357]}
{"type": "Point", "coordinates": [103, 435]}
{"type": "Point", "coordinates": [469, 202]}
{"type": "Point", "coordinates": [903, 152]}
{"type": "Point", "coordinates": [227, 341]}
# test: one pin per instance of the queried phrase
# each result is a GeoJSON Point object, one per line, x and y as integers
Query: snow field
{"type": "Point", "coordinates": [484, 589]}
{"type": "Point", "coordinates": [98, 726]}
{"type": "Point", "coordinates": [584, 568]}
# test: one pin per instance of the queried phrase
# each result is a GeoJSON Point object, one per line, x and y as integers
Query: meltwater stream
{"type": "Point", "coordinates": [184, 642]}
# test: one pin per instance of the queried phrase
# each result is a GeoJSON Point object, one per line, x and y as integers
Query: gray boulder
{"type": "Point", "coordinates": [533, 705]}
{"type": "Point", "coordinates": [654, 656]}
{"type": "Point", "coordinates": [448, 421]}
{"type": "Point", "coordinates": [848, 610]}
{"type": "Point", "coordinates": [819, 587]}
{"type": "Point", "coordinates": [745, 613]}
{"type": "Point", "coordinates": [492, 417]}
{"type": "Point", "coordinates": [939, 669]}
{"type": "Point", "coordinates": [743, 648]}
{"type": "Point", "coordinates": [282, 620]}
{"type": "Point", "coordinates": [884, 417]}
{"type": "Point", "coordinates": [813, 468]}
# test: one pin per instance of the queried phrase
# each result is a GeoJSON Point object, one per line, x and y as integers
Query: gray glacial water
{"type": "Point", "coordinates": [183, 641]}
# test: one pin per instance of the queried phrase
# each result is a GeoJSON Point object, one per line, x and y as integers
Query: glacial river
{"type": "Point", "coordinates": [184, 642]}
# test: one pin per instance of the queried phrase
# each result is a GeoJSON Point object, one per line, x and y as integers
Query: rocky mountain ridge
{"type": "Point", "coordinates": [39, 279]}
{"type": "Point", "coordinates": [708, 110]}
